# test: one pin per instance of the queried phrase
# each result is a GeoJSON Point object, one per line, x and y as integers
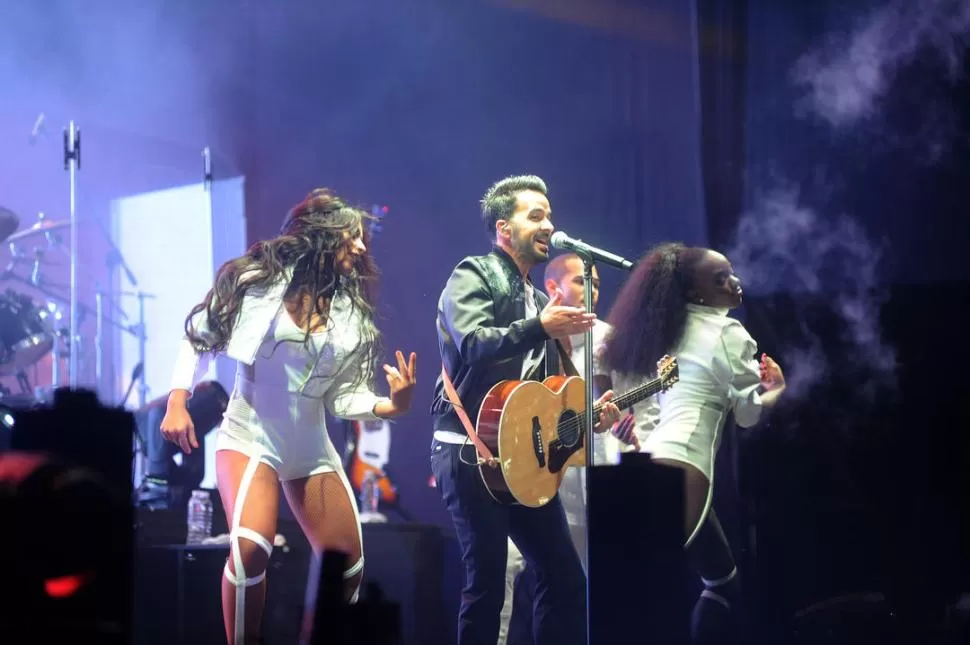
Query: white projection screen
{"type": "Point", "coordinates": [173, 240]}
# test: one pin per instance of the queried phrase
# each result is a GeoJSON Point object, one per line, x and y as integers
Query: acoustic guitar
{"type": "Point", "coordinates": [537, 430]}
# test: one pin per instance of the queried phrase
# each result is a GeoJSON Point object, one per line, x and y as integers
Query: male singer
{"type": "Point", "coordinates": [493, 325]}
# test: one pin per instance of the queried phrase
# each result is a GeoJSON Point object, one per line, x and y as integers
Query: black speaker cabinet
{"type": "Point", "coordinates": [178, 587]}
{"type": "Point", "coordinates": [178, 595]}
{"type": "Point", "coordinates": [407, 561]}
{"type": "Point", "coordinates": [637, 567]}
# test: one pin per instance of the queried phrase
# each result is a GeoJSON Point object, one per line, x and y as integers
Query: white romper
{"type": "Point", "coordinates": [279, 403]}
{"type": "Point", "coordinates": [719, 373]}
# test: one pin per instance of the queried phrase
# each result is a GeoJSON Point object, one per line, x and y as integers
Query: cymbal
{"type": "Point", "coordinates": [42, 226]}
{"type": "Point", "coordinates": [9, 222]}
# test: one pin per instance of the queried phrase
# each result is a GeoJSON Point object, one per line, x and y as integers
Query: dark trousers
{"type": "Point", "coordinates": [159, 452]}
{"type": "Point", "coordinates": [523, 599]}
{"type": "Point", "coordinates": [483, 527]}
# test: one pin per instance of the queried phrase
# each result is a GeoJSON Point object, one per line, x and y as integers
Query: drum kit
{"type": "Point", "coordinates": [33, 331]}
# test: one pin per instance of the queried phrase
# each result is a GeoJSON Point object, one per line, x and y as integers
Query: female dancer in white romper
{"type": "Point", "coordinates": [296, 313]}
{"type": "Point", "coordinates": [676, 302]}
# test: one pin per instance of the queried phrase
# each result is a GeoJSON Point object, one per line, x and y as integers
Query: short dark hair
{"type": "Point", "coordinates": [499, 201]}
{"type": "Point", "coordinates": [556, 267]}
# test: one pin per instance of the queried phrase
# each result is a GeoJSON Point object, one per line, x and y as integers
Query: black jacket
{"type": "Point", "coordinates": [483, 334]}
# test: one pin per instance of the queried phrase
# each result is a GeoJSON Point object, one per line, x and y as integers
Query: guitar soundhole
{"type": "Point", "coordinates": [568, 427]}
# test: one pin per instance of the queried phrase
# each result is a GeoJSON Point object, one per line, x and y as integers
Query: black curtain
{"type": "Point", "coordinates": [722, 57]}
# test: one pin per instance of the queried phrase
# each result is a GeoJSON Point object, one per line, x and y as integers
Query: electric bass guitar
{"type": "Point", "coordinates": [537, 430]}
{"type": "Point", "coordinates": [366, 453]}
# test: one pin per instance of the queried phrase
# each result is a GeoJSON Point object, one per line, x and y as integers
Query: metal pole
{"type": "Point", "coordinates": [56, 358]}
{"type": "Point", "coordinates": [99, 344]}
{"type": "Point", "coordinates": [207, 171]}
{"type": "Point", "coordinates": [589, 422]}
{"type": "Point", "coordinates": [72, 162]}
{"type": "Point", "coordinates": [142, 386]}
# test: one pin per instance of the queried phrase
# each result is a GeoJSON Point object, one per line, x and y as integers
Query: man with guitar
{"type": "Point", "coordinates": [493, 326]}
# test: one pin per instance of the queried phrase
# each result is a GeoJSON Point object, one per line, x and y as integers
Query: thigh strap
{"type": "Point", "coordinates": [721, 581]}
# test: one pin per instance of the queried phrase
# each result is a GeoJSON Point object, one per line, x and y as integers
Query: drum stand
{"type": "Point", "coordinates": [138, 373]}
{"type": "Point", "coordinates": [137, 330]}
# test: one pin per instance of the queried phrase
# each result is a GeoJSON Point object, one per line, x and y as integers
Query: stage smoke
{"type": "Point", "coordinates": [846, 81]}
{"type": "Point", "coordinates": [846, 77]}
{"type": "Point", "coordinates": [785, 246]}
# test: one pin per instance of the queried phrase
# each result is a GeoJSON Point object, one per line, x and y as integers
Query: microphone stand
{"type": "Point", "coordinates": [142, 338]}
{"type": "Point", "coordinates": [589, 420]}
{"type": "Point", "coordinates": [72, 163]}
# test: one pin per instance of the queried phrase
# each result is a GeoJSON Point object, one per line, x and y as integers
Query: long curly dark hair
{"type": "Point", "coordinates": [650, 312]}
{"type": "Point", "coordinates": [311, 234]}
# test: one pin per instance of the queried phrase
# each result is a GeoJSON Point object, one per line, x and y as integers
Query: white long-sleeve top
{"type": "Point", "coordinates": [336, 369]}
{"type": "Point", "coordinates": [719, 373]}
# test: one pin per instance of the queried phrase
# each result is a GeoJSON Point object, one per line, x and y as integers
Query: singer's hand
{"type": "Point", "coordinates": [559, 321]}
{"type": "Point", "coordinates": [609, 413]}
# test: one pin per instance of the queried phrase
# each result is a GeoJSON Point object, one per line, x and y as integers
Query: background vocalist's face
{"type": "Point", "coordinates": [565, 275]}
{"type": "Point", "coordinates": [528, 230]}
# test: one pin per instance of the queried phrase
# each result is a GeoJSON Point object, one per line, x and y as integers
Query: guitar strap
{"type": "Point", "coordinates": [485, 455]}
{"type": "Point", "coordinates": [567, 364]}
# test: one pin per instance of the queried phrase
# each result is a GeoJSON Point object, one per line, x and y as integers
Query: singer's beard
{"type": "Point", "coordinates": [532, 250]}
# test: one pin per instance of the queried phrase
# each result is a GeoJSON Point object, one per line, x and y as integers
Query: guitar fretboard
{"type": "Point", "coordinates": [623, 401]}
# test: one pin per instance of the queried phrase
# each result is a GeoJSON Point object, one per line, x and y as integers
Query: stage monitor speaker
{"type": "Point", "coordinates": [178, 595]}
{"type": "Point", "coordinates": [407, 562]}
{"type": "Point", "coordinates": [177, 598]}
{"type": "Point", "coordinates": [637, 568]}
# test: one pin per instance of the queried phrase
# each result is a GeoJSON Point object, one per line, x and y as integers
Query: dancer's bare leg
{"type": "Point", "coordinates": [250, 496]}
{"type": "Point", "coordinates": [323, 504]}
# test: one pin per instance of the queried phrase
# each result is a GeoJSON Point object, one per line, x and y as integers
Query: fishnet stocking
{"type": "Point", "coordinates": [326, 511]}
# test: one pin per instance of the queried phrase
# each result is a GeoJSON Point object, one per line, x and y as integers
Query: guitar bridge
{"type": "Point", "coordinates": [559, 452]}
{"type": "Point", "coordinates": [537, 446]}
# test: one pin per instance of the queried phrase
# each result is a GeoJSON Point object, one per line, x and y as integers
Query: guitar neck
{"type": "Point", "coordinates": [632, 397]}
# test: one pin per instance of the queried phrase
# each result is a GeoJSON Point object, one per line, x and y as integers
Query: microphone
{"type": "Point", "coordinates": [562, 241]}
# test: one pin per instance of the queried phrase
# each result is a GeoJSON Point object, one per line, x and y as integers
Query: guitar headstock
{"type": "Point", "coordinates": [668, 372]}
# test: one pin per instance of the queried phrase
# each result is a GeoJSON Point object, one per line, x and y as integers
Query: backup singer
{"type": "Point", "coordinates": [494, 325]}
{"type": "Point", "coordinates": [296, 313]}
{"type": "Point", "coordinates": [677, 302]}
